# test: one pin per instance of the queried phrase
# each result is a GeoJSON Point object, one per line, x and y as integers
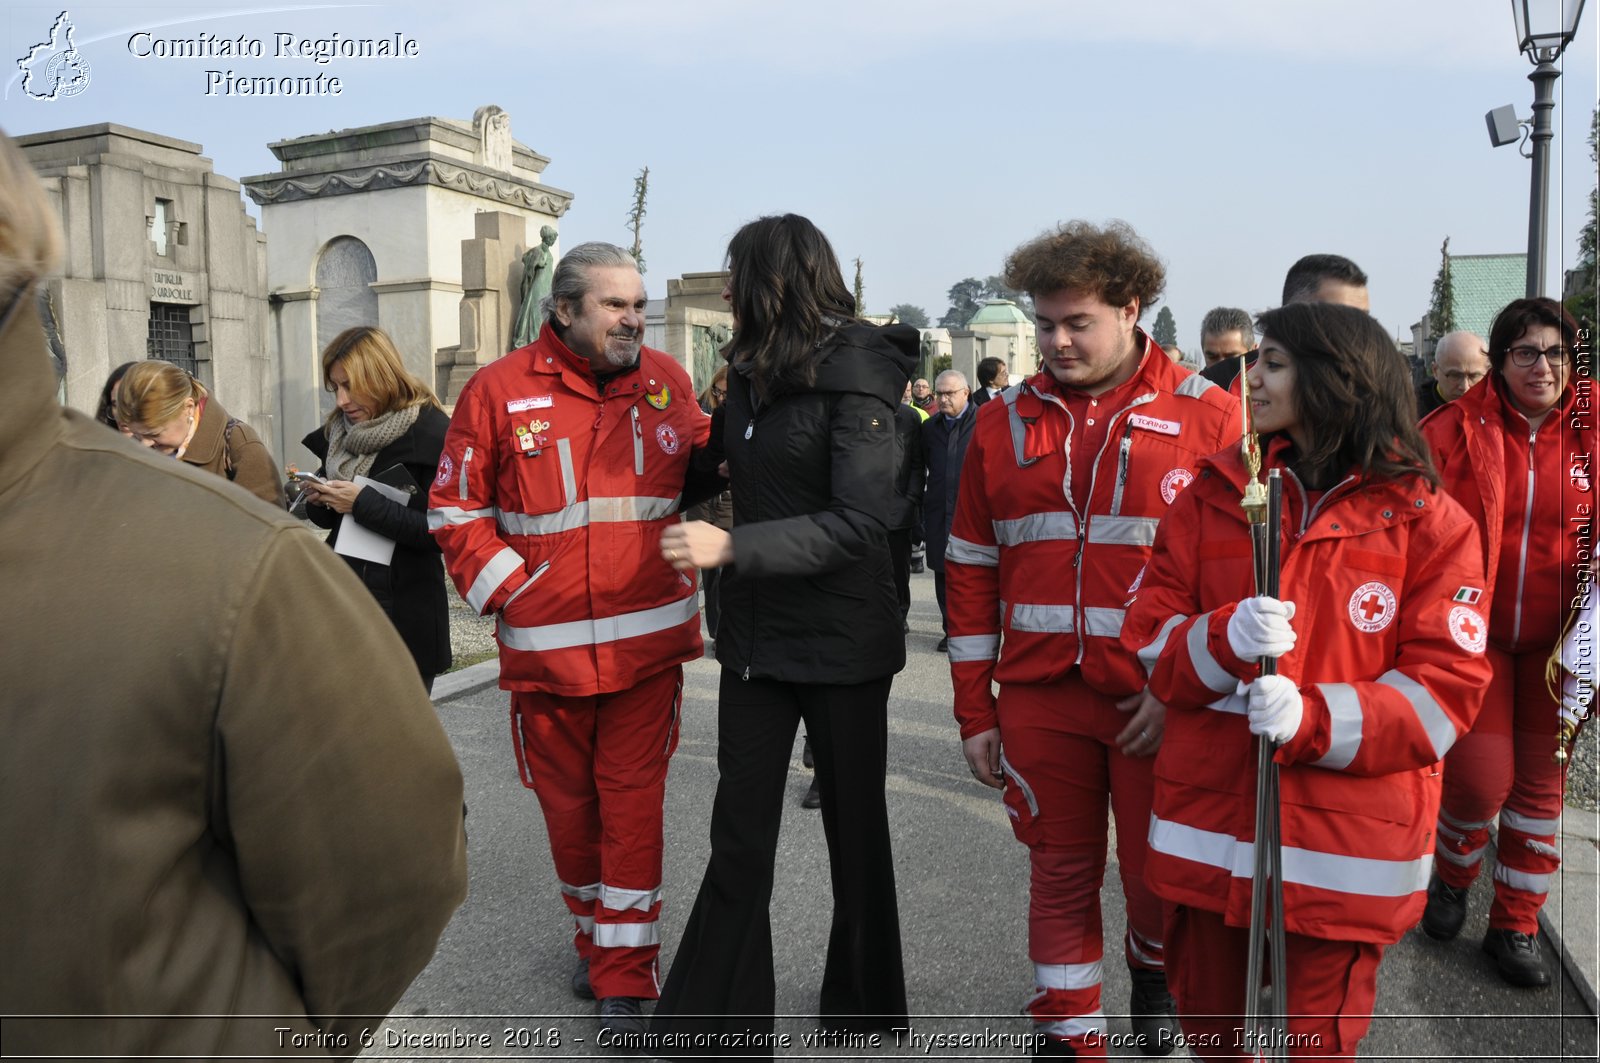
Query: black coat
{"type": "Point", "coordinates": [944, 442]}
{"type": "Point", "coordinates": [910, 469]}
{"type": "Point", "coordinates": [411, 588]}
{"type": "Point", "coordinates": [810, 597]}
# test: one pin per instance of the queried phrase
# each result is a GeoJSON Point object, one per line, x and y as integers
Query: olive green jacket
{"type": "Point", "coordinates": [225, 791]}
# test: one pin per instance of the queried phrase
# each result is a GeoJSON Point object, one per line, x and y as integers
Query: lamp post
{"type": "Point", "coordinates": [1544, 29]}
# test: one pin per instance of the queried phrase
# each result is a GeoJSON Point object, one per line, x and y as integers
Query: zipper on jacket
{"type": "Point", "coordinates": [1307, 511]}
{"type": "Point", "coordinates": [1527, 524]}
{"type": "Point", "coordinates": [638, 443]}
{"type": "Point", "coordinates": [466, 459]}
{"type": "Point", "coordinates": [1122, 469]}
{"type": "Point", "coordinates": [1085, 518]}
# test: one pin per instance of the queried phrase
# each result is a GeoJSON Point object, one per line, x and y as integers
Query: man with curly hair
{"type": "Point", "coordinates": [1067, 477]}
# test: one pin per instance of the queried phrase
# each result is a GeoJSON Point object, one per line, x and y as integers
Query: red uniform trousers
{"type": "Point", "coordinates": [1062, 771]}
{"type": "Point", "coordinates": [1332, 985]}
{"type": "Point", "coordinates": [598, 764]}
{"type": "Point", "coordinates": [1506, 765]}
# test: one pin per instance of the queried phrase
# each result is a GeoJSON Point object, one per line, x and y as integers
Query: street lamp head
{"type": "Point", "coordinates": [1545, 27]}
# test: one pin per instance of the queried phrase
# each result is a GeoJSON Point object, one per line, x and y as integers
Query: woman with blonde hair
{"type": "Point", "coordinates": [166, 409]}
{"type": "Point", "coordinates": [388, 427]}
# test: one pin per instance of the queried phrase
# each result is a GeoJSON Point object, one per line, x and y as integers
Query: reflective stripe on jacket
{"type": "Point", "coordinates": [1392, 671]}
{"type": "Point", "coordinates": [549, 505]}
{"type": "Point", "coordinates": [1036, 587]}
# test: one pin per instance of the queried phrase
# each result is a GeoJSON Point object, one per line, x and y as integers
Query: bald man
{"type": "Point", "coordinates": [1460, 360]}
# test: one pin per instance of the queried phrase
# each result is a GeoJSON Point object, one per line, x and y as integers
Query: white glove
{"type": "Point", "coordinates": [1260, 627]}
{"type": "Point", "coordinates": [1275, 707]}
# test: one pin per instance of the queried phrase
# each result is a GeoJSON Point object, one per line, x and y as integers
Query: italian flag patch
{"type": "Point", "coordinates": [1468, 595]}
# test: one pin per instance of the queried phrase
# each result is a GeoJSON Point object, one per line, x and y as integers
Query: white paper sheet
{"type": "Point", "coordinates": [364, 543]}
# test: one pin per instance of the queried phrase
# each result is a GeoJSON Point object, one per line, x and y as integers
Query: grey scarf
{"type": "Point", "coordinates": [353, 447]}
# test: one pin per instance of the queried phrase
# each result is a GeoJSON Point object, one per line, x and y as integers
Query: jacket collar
{"type": "Point", "coordinates": [208, 440]}
{"type": "Point", "coordinates": [549, 356]}
{"type": "Point", "coordinates": [1382, 502]}
{"type": "Point", "coordinates": [30, 418]}
{"type": "Point", "coordinates": [1155, 372]}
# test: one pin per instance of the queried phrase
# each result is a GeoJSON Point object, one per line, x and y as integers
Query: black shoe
{"type": "Point", "coordinates": [805, 754]}
{"type": "Point", "coordinates": [1151, 1013]}
{"type": "Point", "coordinates": [1446, 910]}
{"type": "Point", "coordinates": [1054, 1048]}
{"type": "Point", "coordinates": [813, 797]}
{"type": "Point", "coordinates": [580, 981]}
{"type": "Point", "coordinates": [622, 1016]}
{"type": "Point", "coordinates": [1518, 957]}
{"type": "Point", "coordinates": [944, 645]}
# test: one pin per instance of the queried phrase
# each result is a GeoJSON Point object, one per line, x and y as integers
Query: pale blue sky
{"type": "Point", "coordinates": [929, 138]}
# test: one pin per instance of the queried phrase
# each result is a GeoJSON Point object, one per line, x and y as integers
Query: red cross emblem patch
{"type": "Point", "coordinates": [1372, 607]}
{"type": "Point", "coordinates": [666, 439]}
{"type": "Point", "coordinates": [1173, 482]}
{"type": "Point", "coordinates": [1469, 629]}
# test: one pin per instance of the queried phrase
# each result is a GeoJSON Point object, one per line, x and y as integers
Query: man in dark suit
{"type": "Point", "coordinates": [992, 380]}
{"type": "Point", "coordinates": [944, 442]}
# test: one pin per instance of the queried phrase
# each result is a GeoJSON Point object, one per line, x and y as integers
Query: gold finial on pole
{"type": "Point", "coordinates": [1255, 492]}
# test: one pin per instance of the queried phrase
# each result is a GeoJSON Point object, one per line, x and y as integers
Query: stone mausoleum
{"type": "Point", "coordinates": [372, 226]}
{"type": "Point", "coordinates": [161, 261]}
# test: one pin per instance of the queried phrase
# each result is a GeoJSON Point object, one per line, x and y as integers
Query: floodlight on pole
{"type": "Point", "coordinates": [1544, 29]}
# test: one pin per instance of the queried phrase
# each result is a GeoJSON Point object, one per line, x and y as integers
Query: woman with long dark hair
{"type": "Point", "coordinates": [1381, 668]}
{"type": "Point", "coordinates": [1517, 451]}
{"type": "Point", "coordinates": [810, 630]}
{"type": "Point", "coordinates": [386, 426]}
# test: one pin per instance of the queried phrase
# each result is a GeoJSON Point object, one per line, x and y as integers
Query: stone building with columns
{"type": "Point", "coordinates": [416, 226]}
{"type": "Point", "coordinates": [161, 261]}
{"type": "Point", "coordinates": [998, 330]}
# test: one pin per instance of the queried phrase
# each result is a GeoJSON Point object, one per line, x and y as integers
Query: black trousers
{"type": "Point", "coordinates": [722, 979]}
{"type": "Point", "coordinates": [938, 593]}
{"type": "Point", "coordinates": [900, 561]}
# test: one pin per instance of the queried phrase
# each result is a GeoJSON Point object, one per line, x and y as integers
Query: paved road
{"type": "Point", "coordinates": [501, 970]}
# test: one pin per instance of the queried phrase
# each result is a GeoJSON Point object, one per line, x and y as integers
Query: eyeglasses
{"type": "Point", "coordinates": [1461, 376]}
{"type": "Point", "coordinates": [1527, 356]}
{"type": "Point", "coordinates": [719, 393]}
{"type": "Point", "coordinates": [950, 394]}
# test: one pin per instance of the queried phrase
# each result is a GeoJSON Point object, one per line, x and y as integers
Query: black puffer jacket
{"type": "Point", "coordinates": [411, 589]}
{"type": "Point", "coordinates": [810, 598]}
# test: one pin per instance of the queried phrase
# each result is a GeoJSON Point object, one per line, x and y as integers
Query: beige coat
{"type": "Point", "coordinates": [239, 455]}
{"type": "Point", "coordinates": [225, 791]}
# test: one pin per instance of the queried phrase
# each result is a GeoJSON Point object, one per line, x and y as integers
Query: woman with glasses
{"type": "Point", "coordinates": [1515, 451]}
{"type": "Point", "coordinates": [167, 410]}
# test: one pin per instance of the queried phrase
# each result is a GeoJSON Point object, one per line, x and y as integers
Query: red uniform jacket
{"type": "Point", "coordinates": [1389, 660]}
{"type": "Point", "coordinates": [549, 506]}
{"type": "Point", "coordinates": [1532, 495]}
{"type": "Point", "coordinates": [1035, 587]}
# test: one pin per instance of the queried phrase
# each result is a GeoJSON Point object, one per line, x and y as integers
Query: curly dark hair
{"type": "Point", "coordinates": [1354, 394]}
{"type": "Point", "coordinates": [1112, 263]}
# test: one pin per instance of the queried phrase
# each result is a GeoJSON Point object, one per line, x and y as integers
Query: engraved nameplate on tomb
{"type": "Point", "coordinates": [170, 286]}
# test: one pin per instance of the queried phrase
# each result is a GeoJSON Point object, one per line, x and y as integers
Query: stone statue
{"type": "Point", "coordinates": [493, 127]}
{"type": "Point", "coordinates": [538, 264]}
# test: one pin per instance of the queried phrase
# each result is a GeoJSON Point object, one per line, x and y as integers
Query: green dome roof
{"type": "Point", "coordinates": [999, 312]}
